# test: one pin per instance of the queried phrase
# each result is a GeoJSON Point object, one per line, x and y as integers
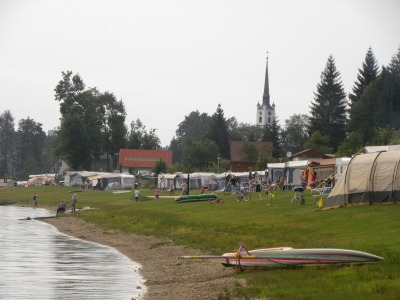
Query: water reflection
{"type": "Point", "coordinates": [38, 262]}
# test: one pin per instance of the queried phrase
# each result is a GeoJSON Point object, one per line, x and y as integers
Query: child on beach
{"type": "Point", "coordinates": [35, 199]}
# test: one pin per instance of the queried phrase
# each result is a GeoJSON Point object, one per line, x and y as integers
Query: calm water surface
{"type": "Point", "coordinates": [38, 262]}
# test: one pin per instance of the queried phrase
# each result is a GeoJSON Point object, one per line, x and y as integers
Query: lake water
{"type": "Point", "coordinates": [38, 262]}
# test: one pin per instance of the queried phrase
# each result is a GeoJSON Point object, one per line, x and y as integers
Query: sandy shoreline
{"type": "Point", "coordinates": [166, 277]}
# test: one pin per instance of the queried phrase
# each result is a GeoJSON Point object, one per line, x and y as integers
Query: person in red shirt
{"type": "Point", "coordinates": [202, 190]}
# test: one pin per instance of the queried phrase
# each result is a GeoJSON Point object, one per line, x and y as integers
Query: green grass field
{"type": "Point", "coordinates": [216, 229]}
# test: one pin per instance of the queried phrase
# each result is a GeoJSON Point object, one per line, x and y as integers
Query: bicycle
{"type": "Point", "coordinates": [243, 195]}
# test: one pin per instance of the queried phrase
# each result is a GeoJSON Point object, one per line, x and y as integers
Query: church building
{"type": "Point", "coordinates": [265, 111]}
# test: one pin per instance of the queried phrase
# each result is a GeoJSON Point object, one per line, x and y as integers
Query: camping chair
{"type": "Point", "coordinates": [298, 195]}
{"type": "Point", "coordinates": [323, 189]}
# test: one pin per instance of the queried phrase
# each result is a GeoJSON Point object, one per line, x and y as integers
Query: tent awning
{"type": "Point", "coordinates": [95, 177]}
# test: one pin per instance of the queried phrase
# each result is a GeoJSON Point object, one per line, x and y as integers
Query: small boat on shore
{"type": "Point", "coordinates": [195, 198]}
{"type": "Point", "coordinates": [287, 256]}
{"type": "Point", "coordinates": [7, 202]}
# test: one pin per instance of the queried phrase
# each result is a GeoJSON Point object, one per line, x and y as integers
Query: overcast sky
{"type": "Point", "coordinates": [167, 58]}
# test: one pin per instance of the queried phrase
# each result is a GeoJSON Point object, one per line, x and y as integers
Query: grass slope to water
{"type": "Point", "coordinates": [216, 229]}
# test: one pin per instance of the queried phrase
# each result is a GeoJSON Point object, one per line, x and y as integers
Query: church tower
{"type": "Point", "coordinates": [265, 111]}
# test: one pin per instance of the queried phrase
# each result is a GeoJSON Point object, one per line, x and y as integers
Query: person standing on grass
{"type": "Point", "coordinates": [303, 179]}
{"type": "Point", "coordinates": [157, 193]}
{"type": "Point", "coordinates": [183, 187]}
{"type": "Point", "coordinates": [74, 199]}
{"type": "Point", "coordinates": [171, 190]}
{"type": "Point", "coordinates": [35, 199]}
{"type": "Point", "coordinates": [137, 194]}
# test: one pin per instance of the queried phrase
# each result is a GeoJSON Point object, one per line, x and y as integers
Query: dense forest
{"type": "Point", "coordinates": [93, 125]}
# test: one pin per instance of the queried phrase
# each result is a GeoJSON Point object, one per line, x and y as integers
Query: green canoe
{"type": "Point", "coordinates": [195, 198]}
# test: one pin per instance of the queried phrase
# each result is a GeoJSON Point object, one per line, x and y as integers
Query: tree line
{"type": "Point", "coordinates": [92, 125]}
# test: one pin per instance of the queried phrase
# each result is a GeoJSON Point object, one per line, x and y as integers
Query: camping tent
{"type": "Point", "coordinates": [369, 179]}
{"type": "Point", "coordinates": [125, 181]}
{"type": "Point", "coordinates": [114, 186]}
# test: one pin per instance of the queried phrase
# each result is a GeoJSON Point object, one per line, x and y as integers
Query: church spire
{"type": "Point", "coordinates": [266, 87]}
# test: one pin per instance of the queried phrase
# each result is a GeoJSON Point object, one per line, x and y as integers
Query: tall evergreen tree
{"type": "Point", "coordinates": [272, 133]}
{"type": "Point", "coordinates": [370, 111]}
{"type": "Point", "coordinates": [379, 105]}
{"type": "Point", "coordinates": [394, 71]}
{"type": "Point", "coordinates": [394, 65]}
{"type": "Point", "coordinates": [7, 134]}
{"type": "Point", "coordinates": [368, 73]}
{"type": "Point", "coordinates": [218, 132]}
{"type": "Point", "coordinates": [328, 109]}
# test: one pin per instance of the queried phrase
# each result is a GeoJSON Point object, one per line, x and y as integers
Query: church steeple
{"type": "Point", "coordinates": [266, 87]}
{"type": "Point", "coordinates": [265, 111]}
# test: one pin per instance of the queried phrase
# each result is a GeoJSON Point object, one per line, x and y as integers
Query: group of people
{"type": "Point", "coordinates": [62, 206]}
{"type": "Point", "coordinates": [305, 180]}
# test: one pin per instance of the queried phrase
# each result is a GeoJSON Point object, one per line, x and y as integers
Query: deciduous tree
{"type": "Point", "coordinates": [194, 127]}
{"type": "Point", "coordinates": [244, 131]}
{"type": "Point", "coordinates": [319, 142]}
{"type": "Point", "coordinates": [79, 136]}
{"type": "Point", "coordinates": [295, 133]}
{"type": "Point", "coordinates": [140, 138]}
{"type": "Point", "coordinates": [30, 148]}
{"type": "Point", "coordinates": [249, 151]}
{"type": "Point", "coordinates": [197, 155]}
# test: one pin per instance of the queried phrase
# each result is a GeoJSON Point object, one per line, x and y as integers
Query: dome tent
{"type": "Point", "coordinates": [372, 178]}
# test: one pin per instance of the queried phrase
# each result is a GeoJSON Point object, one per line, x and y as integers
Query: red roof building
{"type": "Point", "coordinates": [143, 159]}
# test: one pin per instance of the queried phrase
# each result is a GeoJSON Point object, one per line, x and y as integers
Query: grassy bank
{"type": "Point", "coordinates": [217, 228]}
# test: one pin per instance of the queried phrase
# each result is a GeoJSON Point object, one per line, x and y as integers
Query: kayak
{"type": "Point", "coordinates": [287, 256]}
{"type": "Point", "coordinates": [195, 198]}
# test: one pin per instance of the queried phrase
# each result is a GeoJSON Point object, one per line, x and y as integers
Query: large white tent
{"type": "Point", "coordinates": [372, 178]}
